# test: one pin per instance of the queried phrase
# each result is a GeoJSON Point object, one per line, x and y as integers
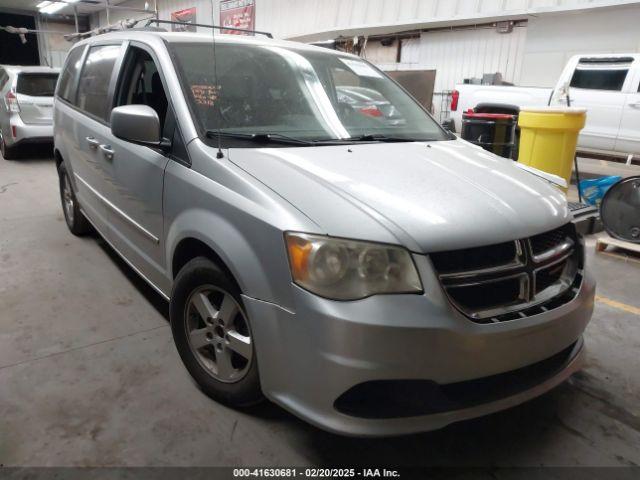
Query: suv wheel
{"type": "Point", "coordinates": [212, 334]}
{"type": "Point", "coordinates": [8, 153]}
{"type": "Point", "coordinates": [77, 223]}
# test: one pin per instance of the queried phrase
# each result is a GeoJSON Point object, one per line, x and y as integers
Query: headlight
{"type": "Point", "coordinates": [348, 269]}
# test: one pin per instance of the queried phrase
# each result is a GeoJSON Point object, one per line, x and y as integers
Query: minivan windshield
{"type": "Point", "coordinates": [296, 95]}
{"type": "Point", "coordinates": [37, 84]}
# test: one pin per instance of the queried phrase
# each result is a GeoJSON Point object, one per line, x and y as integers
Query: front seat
{"type": "Point", "coordinates": [157, 98]}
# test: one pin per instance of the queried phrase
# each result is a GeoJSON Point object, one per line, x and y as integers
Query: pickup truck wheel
{"type": "Point", "coordinates": [212, 334]}
{"type": "Point", "coordinates": [8, 153]}
{"type": "Point", "coordinates": [76, 222]}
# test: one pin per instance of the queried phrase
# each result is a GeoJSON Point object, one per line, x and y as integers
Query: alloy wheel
{"type": "Point", "coordinates": [218, 333]}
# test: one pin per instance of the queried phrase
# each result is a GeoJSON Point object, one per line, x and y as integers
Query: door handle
{"type": "Point", "coordinates": [93, 143]}
{"type": "Point", "coordinates": [635, 105]}
{"type": "Point", "coordinates": [107, 151]}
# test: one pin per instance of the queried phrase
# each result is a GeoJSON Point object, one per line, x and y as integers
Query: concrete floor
{"type": "Point", "coordinates": [89, 374]}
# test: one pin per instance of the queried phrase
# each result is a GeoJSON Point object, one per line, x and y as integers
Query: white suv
{"type": "Point", "coordinates": [26, 107]}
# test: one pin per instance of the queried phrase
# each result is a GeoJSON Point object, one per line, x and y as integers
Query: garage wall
{"type": "Point", "coordinates": [53, 46]}
{"type": "Point", "coordinates": [41, 48]}
{"type": "Point", "coordinates": [551, 40]}
{"type": "Point", "coordinates": [312, 20]}
{"type": "Point", "coordinates": [165, 8]}
{"type": "Point", "coordinates": [462, 53]}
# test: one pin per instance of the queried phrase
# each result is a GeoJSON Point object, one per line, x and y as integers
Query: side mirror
{"type": "Point", "coordinates": [136, 123]}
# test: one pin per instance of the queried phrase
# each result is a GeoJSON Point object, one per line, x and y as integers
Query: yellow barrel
{"type": "Point", "coordinates": [548, 138]}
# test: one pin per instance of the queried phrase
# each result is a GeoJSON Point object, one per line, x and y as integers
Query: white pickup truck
{"type": "Point", "coordinates": [607, 85]}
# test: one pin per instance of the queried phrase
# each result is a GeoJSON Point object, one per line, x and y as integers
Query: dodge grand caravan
{"type": "Point", "coordinates": [372, 277]}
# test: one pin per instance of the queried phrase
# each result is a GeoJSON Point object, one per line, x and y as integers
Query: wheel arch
{"type": "Point", "coordinates": [191, 247]}
{"type": "Point", "coordinates": [58, 157]}
{"type": "Point", "coordinates": [253, 261]}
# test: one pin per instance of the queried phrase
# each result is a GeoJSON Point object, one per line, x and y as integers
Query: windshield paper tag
{"type": "Point", "coordinates": [204, 94]}
{"type": "Point", "coordinates": [360, 68]}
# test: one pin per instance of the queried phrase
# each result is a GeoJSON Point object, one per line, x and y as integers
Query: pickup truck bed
{"type": "Point", "coordinates": [509, 99]}
{"type": "Point", "coordinates": [607, 85]}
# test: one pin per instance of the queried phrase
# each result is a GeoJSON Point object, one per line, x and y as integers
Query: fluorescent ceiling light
{"type": "Point", "coordinates": [43, 4]}
{"type": "Point", "coordinates": [53, 8]}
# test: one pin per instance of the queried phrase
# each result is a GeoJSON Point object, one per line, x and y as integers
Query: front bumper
{"type": "Point", "coordinates": [27, 132]}
{"type": "Point", "coordinates": [310, 357]}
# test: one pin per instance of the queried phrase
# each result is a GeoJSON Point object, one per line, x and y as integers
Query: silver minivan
{"type": "Point", "coordinates": [26, 107]}
{"type": "Point", "coordinates": [373, 277]}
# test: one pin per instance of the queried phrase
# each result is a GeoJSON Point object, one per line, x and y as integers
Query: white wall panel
{"type": "Point", "coordinates": [378, 54]}
{"type": "Point", "coordinates": [165, 8]}
{"type": "Point", "coordinates": [326, 19]}
{"type": "Point", "coordinates": [551, 40]}
{"type": "Point", "coordinates": [53, 46]}
{"type": "Point", "coordinates": [464, 53]}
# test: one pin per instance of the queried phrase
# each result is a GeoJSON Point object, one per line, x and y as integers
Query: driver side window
{"type": "Point", "coordinates": [141, 84]}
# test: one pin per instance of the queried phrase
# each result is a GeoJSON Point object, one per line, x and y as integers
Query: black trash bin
{"type": "Point", "coordinates": [494, 132]}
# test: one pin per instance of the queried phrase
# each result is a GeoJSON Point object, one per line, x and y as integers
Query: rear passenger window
{"type": "Point", "coordinates": [93, 89]}
{"type": "Point", "coordinates": [66, 89]}
{"type": "Point", "coordinates": [600, 77]}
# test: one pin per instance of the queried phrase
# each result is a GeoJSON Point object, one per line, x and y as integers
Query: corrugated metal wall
{"type": "Point", "coordinates": [465, 53]}
{"type": "Point", "coordinates": [317, 19]}
{"type": "Point", "coordinates": [552, 40]}
{"type": "Point", "coordinates": [462, 53]}
{"type": "Point", "coordinates": [165, 8]}
{"type": "Point", "coordinates": [53, 46]}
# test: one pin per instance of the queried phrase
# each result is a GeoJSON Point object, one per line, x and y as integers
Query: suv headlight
{"type": "Point", "coordinates": [348, 269]}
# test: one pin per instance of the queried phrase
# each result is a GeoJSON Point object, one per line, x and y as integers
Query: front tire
{"type": "Point", "coordinates": [212, 334]}
{"type": "Point", "coordinates": [75, 219]}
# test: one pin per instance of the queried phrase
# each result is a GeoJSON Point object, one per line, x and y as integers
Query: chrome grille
{"type": "Point", "coordinates": [514, 279]}
{"type": "Point", "coordinates": [546, 242]}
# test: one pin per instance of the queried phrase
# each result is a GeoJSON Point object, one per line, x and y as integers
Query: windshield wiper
{"type": "Point", "coordinates": [376, 137]}
{"type": "Point", "coordinates": [261, 137]}
{"type": "Point", "coordinates": [287, 140]}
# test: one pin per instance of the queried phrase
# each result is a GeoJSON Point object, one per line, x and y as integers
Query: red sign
{"type": "Point", "coordinates": [188, 15]}
{"type": "Point", "coordinates": [238, 14]}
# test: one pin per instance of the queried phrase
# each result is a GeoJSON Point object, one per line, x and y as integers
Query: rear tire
{"type": "Point", "coordinates": [212, 334]}
{"type": "Point", "coordinates": [8, 153]}
{"type": "Point", "coordinates": [75, 219]}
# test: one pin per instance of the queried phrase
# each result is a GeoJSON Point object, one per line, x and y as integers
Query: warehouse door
{"type": "Point", "coordinates": [12, 50]}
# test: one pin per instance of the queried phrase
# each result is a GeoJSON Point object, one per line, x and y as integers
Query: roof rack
{"type": "Point", "coordinates": [124, 24]}
{"type": "Point", "coordinates": [215, 27]}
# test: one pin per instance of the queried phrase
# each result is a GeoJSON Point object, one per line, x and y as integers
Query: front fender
{"type": "Point", "coordinates": [259, 275]}
{"type": "Point", "coordinates": [237, 217]}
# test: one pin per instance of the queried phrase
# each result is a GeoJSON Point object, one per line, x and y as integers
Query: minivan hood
{"type": "Point", "coordinates": [429, 196]}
